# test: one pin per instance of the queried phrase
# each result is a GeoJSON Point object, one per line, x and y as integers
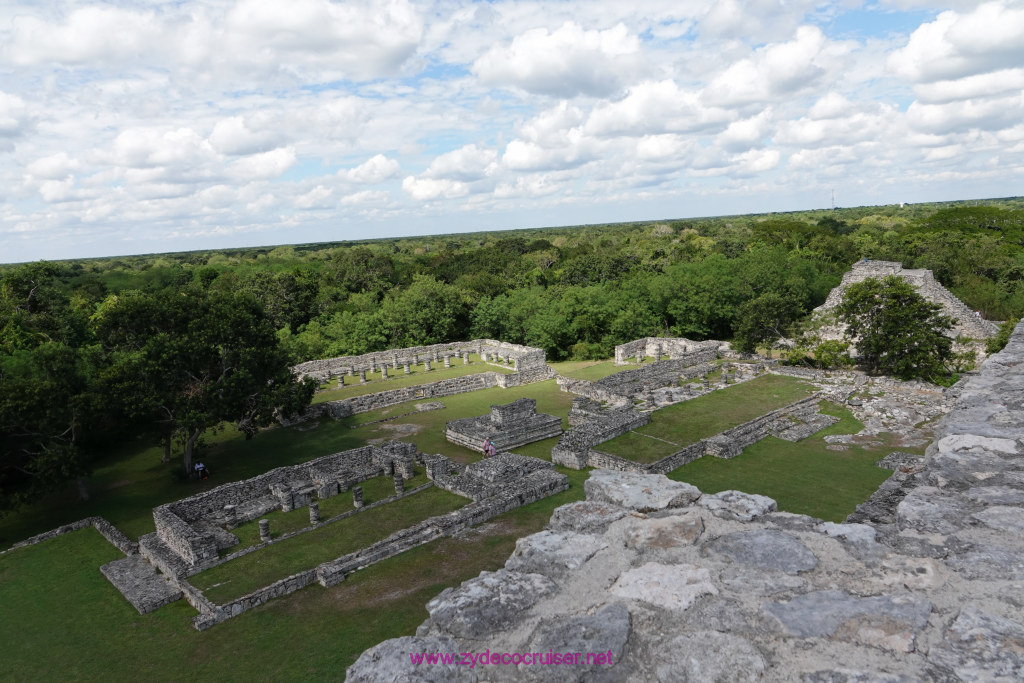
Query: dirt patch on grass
{"type": "Point", "coordinates": [396, 431]}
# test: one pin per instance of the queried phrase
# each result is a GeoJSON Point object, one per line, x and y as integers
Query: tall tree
{"type": "Point", "coordinates": [190, 360]}
{"type": "Point", "coordinates": [895, 330]}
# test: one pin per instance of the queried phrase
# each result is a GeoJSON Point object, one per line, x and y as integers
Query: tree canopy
{"type": "Point", "coordinates": [895, 330]}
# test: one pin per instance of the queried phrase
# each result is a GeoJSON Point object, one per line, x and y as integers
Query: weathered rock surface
{"type": "Point", "coordinates": [766, 549]}
{"type": "Point", "coordinates": [553, 552]}
{"type": "Point", "coordinates": [393, 660]}
{"type": "Point", "coordinates": [640, 492]}
{"type": "Point", "coordinates": [926, 582]}
{"type": "Point", "coordinates": [738, 505]}
{"type": "Point", "coordinates": [487, 603]}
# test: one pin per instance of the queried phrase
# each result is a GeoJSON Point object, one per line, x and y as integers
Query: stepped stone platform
{"type": "Point", "coordinates": [140, 583]}
{"type": "Point", "coordinates": [514, 424]}
{"type": "Point", "coordinates": [673, 584]}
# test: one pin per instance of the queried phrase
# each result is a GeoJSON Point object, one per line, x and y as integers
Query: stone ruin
{"type": "Point", "coordinates": [965, 321]}
{"type": "Point", "coordinates": [529, 362]}
{"type": "Point", "coordinates": [656, 347]}
{"type": "Point", "coordinates": [923, 582]}
{"type": "Point", "coordinates": [529, 365]}
{"type": "Point", "coordinates": [191, 532]}
{"type": "Point", "coordinates": [510, 425]}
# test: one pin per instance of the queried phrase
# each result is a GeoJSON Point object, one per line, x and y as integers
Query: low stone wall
{"type": "Point", "coordinates": [286, 487]}
{"type": "Point", "coordinates": [503, 483]}
{"type": "Point", "coordinates": [656, 347]}
{"type": "Point", "coordinates": [573, 449]}
{"type": "Point", "coordinates": [727, 444]}
{"type": "Point", "coordinates": [526, 359]}
{"type": "Point", "coordinates": [507, 426]}
{"type": "Point", "coordinates": [106, 529]}
{"type": "Point", "coordinates": [657, 374]}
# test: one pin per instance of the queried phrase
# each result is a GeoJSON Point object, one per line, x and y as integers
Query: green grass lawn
{"type": "Point", "coordinates": [803, 477]}
{"type": "Point", "coordinates": [397, 379]}
{"type": "Point", "coordinates": [688, 422]}
{"type": "Point", "coordinates": [247, 573]}
{"type": "Point", "coordinates": [75, 626]}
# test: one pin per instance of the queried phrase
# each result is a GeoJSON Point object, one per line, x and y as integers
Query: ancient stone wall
{"type": "Point", "coordinates": [657, 374]}
{"type": "Point", "coordinates": [526, 359]}
{"type": "Point", "coordinates": [674, 584]}
{"type": "Point", "coordinates": [106, 529]}
{"type": "Point", "coordinates": [656, 347]}
{"type": "Point", "coordinates": [573, 449]}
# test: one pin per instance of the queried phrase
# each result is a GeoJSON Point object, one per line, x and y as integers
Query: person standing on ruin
{"type": "Point", "coordinates": [489, 448]}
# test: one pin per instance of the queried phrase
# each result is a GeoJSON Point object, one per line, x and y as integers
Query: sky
{"type": "Point", "coordinates": [152, 126]}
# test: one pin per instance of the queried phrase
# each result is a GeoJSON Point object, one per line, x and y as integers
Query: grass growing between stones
{"type": "Point", "coordinates": [63, 620]}
{"type": "Point", "coordinates": [247, 573]}
{"type": "Point", "coordinates": [397, 379]}
{"type": "Point", "coordinates": [802, 477]}
{"type": "Point", "coordinates": [682, 424]}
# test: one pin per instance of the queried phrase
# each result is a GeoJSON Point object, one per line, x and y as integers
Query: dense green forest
{"type": "Point", "coordinates": [170, 345]}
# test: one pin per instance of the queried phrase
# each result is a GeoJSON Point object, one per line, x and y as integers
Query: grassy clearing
{"type": "Point", "coordinates": [397, 379]}
{"type": "Point", "coordinates": [75, 625]}
{"type": "Point", "coordinates": [592, 370]}
{"type": "Point", "coordinates": [803, 477]}
{"type": "Point", "coordinates": [685, 423]}
{"type": "Point", "coordinates": [247, 573]}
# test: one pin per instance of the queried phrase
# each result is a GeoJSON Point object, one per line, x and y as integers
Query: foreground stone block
{"type": "Point", "coordinates": [673, 587]}
{"type": "Point", "coordinates": [553, 552]}
{"type": "Point", "coordinates": [640, 492]}
{"type": "Point", "coordinates": [884, 621]}
{"type": "Point", "coordinates": [766, 549]}
{"type": "Point", "coordinates": [391, 661]}
{"type": "Point", "coordinates": [487, 603]}
{"type": "Point", "coordinates": [585, 517]}
{"type": "Point", "coordinates": [605, 632]}
{"type": "Point", "coordinates": [738, 505]}
{"type": "Point", "coordinates": [710, 656]}
{"type": "Point", "coordinates": [983, 647]}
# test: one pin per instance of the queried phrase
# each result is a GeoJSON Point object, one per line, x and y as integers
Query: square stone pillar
{"type": "Point", "coordinates": [407, 370]}
{"type": "Point", "coordinates": [383, 372]}
{"type": "Point", "coordinates": [362, 376]}
{"type": "Point", "coordinates": [426, 365]}
{"type": "Point", "coordinates": [357, 496]}
{"type": "Point", "coordinates": [447, 361]}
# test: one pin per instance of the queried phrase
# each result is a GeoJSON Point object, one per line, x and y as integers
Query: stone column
{"type": "Point", "coordinates": [230, 515]}
{"type": "Point", "coordinates": [447, 361]}
{"type": "Point", "coordinates": [394, 362]}
{"type": "Point", "coordinates": [373, 366]}
{"type": "Point", "coordinates": [415, 359]}
{"type": "Point", "coordinates": [399, 485]}
{"type": "Point", "coordinates": [483, 356]}
{"type": "Point", "coordinates": [357, 496]}
{"type": "Point", "coordinates": [515, 364]}
{"type": "Point", "coordinates": [705, 382]}
{"type": "Point", "coordinates": [639, 358]}
{"type": "Point", "coordinates": [264, 530]}
{"type": "Point", "coordinates": [314, 513]}
{"type": "Point", "coordinates": [426, 365]}
{"type": "Point", "coordinates": [406, 470]}
{"type": "Point", "coordinates": [406, 366]}
{"type": "Point", "coordinates": [351, 371]}
{"type": "Point", "coordinates": [725, 377]}
{"type": "Point", "coordinates": [383, 372]}
{"type": "Point", "coordinates": [362, 376]}
{"type": "Point", "coordinates": [465, 357]}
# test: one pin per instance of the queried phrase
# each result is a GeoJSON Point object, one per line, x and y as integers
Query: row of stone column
{"type": "Point", "coordinates": [314, 507]}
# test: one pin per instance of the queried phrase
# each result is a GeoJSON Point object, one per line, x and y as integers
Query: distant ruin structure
{"type": "Point", "coordinates": [966, 322]}
{"type": "Point", "coordinates": [507, 426]}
